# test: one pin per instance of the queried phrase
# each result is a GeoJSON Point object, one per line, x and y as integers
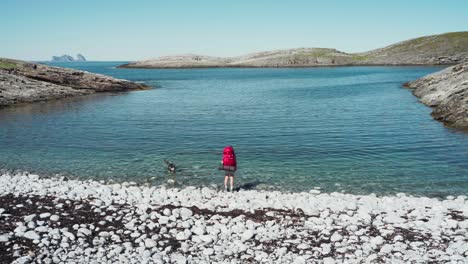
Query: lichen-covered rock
{"type": "Point", "coordinates": [24, 82]}
{"type": "Point", "coordinates": [446, 92]}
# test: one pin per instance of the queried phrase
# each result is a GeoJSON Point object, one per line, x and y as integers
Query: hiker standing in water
{"type": "Point", "coordinates": [229, 166]}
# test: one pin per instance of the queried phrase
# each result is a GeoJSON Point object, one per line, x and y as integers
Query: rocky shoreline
{"type": "Point", "coordinates": [25, 82]}
{"type": "Point", "coordinates": [55, 220]}
{"type": "Point", "coordinates": [446, 92]}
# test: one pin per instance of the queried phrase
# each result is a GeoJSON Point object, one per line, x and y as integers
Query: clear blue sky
{"type": "Point", "coordinates": [139, 29]}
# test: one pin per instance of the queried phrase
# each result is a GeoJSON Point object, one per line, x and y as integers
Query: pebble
{"type": "Point", "coordinates": [84, 232]}
{"type": "Point", "coordinates": [198, 230]}
{"type": "Point", "coordinates": [185, 213]}
{"type": "Point", "coordinates": [184, 235]}
{"type": "Point", "coordinates": [69, 235]}
{"type": "Point", "coordinates": [20, 230]}
{"type": "Point", "coordinates": [336, 237]}
{"type": "Point", "coordinates": [208, 251]}
{"type": "Point", "coordinates": [149, 243]}
{"type": "Point", "coordinates": [326, 249]}
{"type": "Point", "coordinates": [299, 260]}
{"type": "Point", "coordinates": [177, 259]}
{"type": "Point", "coordinates": [44, 215]}
{"type": "Point", "coordinates": [4, 238]}
{"type": "Point", "coordinates": [32, 235]}
{"type": "Point", "coordinates": [303, 246]}
{"type": "Point", "coordinates": [163, 220]}
{"type": "Point", "coordinates": [167, 212]}
{"type": "Point", "coordinates": [207, 239]}
{"type": "Point", "coordinates": [377, 241]}
{"type": "Point", "coordinates": [248, 234]}
{"type": "Point", "coordinates": [29, 218]}
{"type": "Point", "coordinates": [54, 218]}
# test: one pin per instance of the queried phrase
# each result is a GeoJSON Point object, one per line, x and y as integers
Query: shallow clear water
{"type": "Point", "coordinates": [352, 129]}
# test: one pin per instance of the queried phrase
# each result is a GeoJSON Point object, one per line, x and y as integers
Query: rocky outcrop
{"type": "Point", "coordinates": [447, 93]}
{"type": "Point", "coordinates": [16, 89]}
{"type": "Point", "coordinates": [68, 58]}
{"type": "Point", "coordinates": [449, 48]}
{"type": "Point", "coordinates": [24, 82]}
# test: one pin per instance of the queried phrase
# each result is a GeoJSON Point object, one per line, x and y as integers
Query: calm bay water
{"type": "Point", "coordinates": [352, 129]}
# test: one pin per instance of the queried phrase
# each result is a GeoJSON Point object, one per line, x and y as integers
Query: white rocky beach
{"type": "Point", "coordinates": [56, 220]}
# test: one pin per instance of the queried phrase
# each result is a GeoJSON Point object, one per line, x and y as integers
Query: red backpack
{"type": "Point", "coordinates": [229, 157]}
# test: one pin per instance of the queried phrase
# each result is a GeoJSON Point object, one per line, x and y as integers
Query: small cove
{"type": "Point", "coordinates": [352, 129]}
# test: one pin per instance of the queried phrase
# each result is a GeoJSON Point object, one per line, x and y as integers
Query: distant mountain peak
{"type": "Point", "coordinates": [66, 58]}
{"type": "Point", "coordinates": [80, 57]}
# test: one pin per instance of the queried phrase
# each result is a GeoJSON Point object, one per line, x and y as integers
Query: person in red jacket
{"type": "Point", "coordinates": [229, 165]}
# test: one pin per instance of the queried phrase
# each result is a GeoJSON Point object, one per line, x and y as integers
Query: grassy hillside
{"type": "Point", "coordinates": [423, 50]}
{"type": "Point", "coordinates": [7, 64]}
{"type": "Point", "coordinates": [448, 48]}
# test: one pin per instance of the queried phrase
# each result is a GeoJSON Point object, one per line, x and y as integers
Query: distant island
{"type": "Point", "coordinates": [67, 58]}
{"type": "Point", "coordinates": [443, 49]}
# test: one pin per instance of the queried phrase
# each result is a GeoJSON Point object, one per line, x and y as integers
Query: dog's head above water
{"type": "Point", "coordinates": [170, 166]}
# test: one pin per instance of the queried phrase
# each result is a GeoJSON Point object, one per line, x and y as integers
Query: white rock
{"type": "Point", "coordinates": [387, 248]}
{"type": "Point", "coordinates": [208, 251]}
{"type": "Point", "coordinates": [163, 220]}
{"type": "Point", "coordinates": [198, 230]}
{"type": "Point", "coordinates": [4, 238]}
{"type": "Point", "coordinates": [184, 235]}
{"type": "Point", "coordinates": [29, 218]}
{"type": "Point", "coordinates": [185, 213]}
{"type": "Point", "coordinates": [54, 218]}
{"type": "Point", "coordinates": [41, 229]}
{"type": "Point", "coordinates": [326, 249]}
{"type": "Point", "coordinates": [186, 224]}
{"type": "Point", "coordinates": [167, 212]}
{"type": "Point", "coordinates": [24, 260]}
{"type": "Point", "coordinates": [281, 251]}
{"type": "Point", "coordinates": [32, 235]}
{"type": "Point", "coordinates": [336, 237]}
{"type": "Point", "coordinates": [376, 241]}
{"type": "Point", "coordinates": [69, 235]}
{"type": "Point", "coordinates": [149, 243]}
{"type": "Point", "coordinates": [248, 234]}
{"type": "Point", "coordinates": [44, 215]}
{"type": "Point", "coordinates": [314, 191]}
{"type": "Point", "coordinates": [177, 259]}
{"type": "Point", "coordinates": [303, 246]}
{"type": "Point", "coordinates": [104, 234]}
{"type": "Point", "coordinates": [19, 231]}
{"type": "Point", "coordinates": [206, 238]}
{"type": "Point", "coordinates": [299, 260]}
{"type": "Point", "coordinates": [84, 232]}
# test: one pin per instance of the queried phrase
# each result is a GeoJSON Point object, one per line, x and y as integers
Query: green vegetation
{"type": "Point", "coordinates": [7, 65]}
{"type": "Point", "coordinates": [360, 57]}
{"type": "Point", "coordinates": [454, 41]}
{"type": "Point", "coordinates": [317, 53]}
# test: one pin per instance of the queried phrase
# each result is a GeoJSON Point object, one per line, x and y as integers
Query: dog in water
{"type": "Point", "coordinates": [170, 166]}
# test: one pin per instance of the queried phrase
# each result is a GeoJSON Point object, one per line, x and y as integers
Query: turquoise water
{"type": "Point", "coordinates": [352, 129]}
